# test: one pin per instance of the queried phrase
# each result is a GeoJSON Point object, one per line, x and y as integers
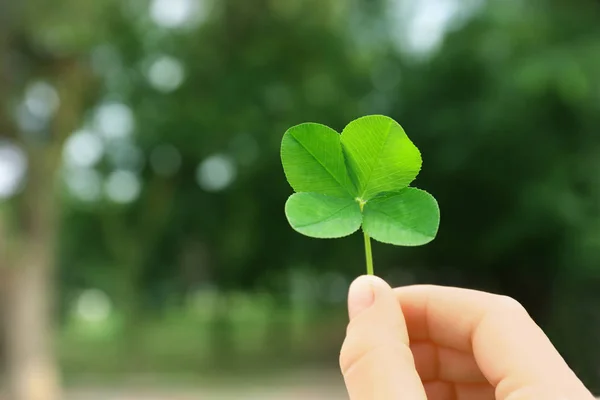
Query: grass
{"type": "Point", "coordinates": [183, 344]}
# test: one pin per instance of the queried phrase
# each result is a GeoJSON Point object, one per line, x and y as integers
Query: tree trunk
{"type": "Point", "coordinates": [33, 373]}
{"type": "Point", "coordinates": [31, 365]}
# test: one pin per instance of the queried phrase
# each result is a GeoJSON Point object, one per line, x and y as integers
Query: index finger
{"type": "Point", "coordinates": [511, 350]}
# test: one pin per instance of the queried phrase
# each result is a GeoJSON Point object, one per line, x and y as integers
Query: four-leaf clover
{"type": "Point", "coordinates": [358, 178]}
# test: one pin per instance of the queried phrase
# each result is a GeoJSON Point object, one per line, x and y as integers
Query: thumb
{"type": "Point", "coordinates": [376, 360]}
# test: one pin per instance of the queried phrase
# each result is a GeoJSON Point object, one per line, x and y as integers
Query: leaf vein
{"type": "Point", "coordinates": [404, 226]}
{"type": "Point", "coordinates": [326, 219]}
{"type": "Point", "coordinates": [378, 158]}
{"type": "Point", "coordinates": [321, 164]}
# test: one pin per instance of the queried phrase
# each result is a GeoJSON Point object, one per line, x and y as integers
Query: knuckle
{"type": "Point", "coordinates": [356, 351]}
{"type": "Point", "coordinates": [352, 352]}
{"type": "Point", "coordinates": [352, 356]}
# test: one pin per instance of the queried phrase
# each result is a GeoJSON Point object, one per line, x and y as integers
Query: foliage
{"type": "Point", "coordinates": [360, 177]}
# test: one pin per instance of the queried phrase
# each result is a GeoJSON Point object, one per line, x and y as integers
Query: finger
{"type": "Point", "coordinates": [510, 349]}
{"type": "Point", "coordinates": [440, 390]}
{"type": "Point", "coordinates": [375, 359]}
{"type": "Point", "coordinates": [445, 364]}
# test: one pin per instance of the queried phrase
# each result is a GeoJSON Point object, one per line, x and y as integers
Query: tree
{"type": "Point", "coordinates": [30, 219]}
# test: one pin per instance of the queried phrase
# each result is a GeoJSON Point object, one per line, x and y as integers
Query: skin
{"type": "Point", "coordinates": [444, 343]}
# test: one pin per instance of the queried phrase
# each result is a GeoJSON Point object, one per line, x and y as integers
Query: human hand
{"type": "Point", "coordinates": [464, 345]}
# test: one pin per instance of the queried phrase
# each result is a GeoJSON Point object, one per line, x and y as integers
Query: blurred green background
{"type": "Point", "coordinates": [143, 244]}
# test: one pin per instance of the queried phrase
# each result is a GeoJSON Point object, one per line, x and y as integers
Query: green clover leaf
{"type": "Point", "coordinates": [358, 178]}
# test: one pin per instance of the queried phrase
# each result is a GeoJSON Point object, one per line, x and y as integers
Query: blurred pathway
{"type": "Point", "coordinates": [310, 386]}
{"type": "Point", "coordinates": [265, 394]}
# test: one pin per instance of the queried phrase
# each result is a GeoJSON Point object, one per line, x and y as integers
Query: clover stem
{"type": "Point", "coordinates": [369, 254]}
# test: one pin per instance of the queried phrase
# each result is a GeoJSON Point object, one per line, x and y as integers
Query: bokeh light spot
{"type": "Point", "coordinates": [42, 100]}
{"type": "Point", "coordinates": [216, 173]}
{"type": "Point", "coordinates": [83, 149]}
{"type": "Point", "coordinates": [166, 74]}
{"type": "Point", "coordinates": [171, 13]}
{"type": "Point", "coordinates": [114, 120]}
{"type": "Point", "coordinates": [94, 306]}
{"type": "Point", "coordinates": [13, 168]}
{"type": "Point", "coordinates": [123, 187]}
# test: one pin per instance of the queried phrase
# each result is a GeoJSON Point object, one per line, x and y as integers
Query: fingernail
{"type": "Point", "coordinates": [361, 294]}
